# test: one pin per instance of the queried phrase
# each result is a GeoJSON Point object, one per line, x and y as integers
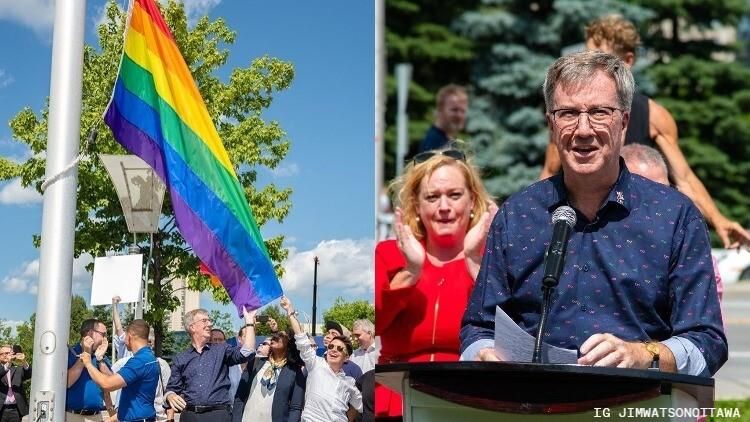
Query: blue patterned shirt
{"type": "Point", "coordinates": [202, 379]}
{"type": "Point", "coordinates": [641, 270]}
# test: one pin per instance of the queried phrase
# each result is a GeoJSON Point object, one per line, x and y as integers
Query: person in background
{"type": "Point", "coordinates": [118, 341]}
{"type": "Point", "coordinates": [235, 371]}
{"type": "Point", "coordinates": [333, 330]}
{"type": "Point", "coordinates": [164, 372]}
{"type": "Point", "coordinates": [366, 355]}
{"type": "Point", "coordinates": [652, 125]}
{"type": "Point", "coordinates": [138, 379]}
{"type": "Point", "coordinates": [647, 162]}
{"type": "Point", "coordinates": [199, 384]}
{"type": "Point", "coordinates": [85, 401]}
{"type": "Point", "coordinates": [13, 402]}
{"type": "Point", "coordinates": [329, 391]}
{"type": "Point", "coordinates": [273, 387]}
{"type": "Point", "coordinates": [451, 106]}
{"type": "Point", "coordinates": [423, 278]}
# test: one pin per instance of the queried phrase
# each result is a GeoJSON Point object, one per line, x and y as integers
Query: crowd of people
{"type": "Point", "coordinates": [282, 379]}
{"type": "Point", "coordinates": [639, 289]}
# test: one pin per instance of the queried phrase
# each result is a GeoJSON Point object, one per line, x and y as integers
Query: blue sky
{"type": "Point", "coordinates": [327, 113]}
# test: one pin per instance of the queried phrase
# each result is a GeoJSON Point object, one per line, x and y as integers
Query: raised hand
{"type": "Point", "coordinates": [87, 343]}
{"type": "Point", "coordinates": [273, 325]}
{"type": "Point", "coordinates": [249, 315]}
{"type": "Point", "coordinates": [19, 357]}
{"type": "Point", "coordinates": [409, 246]}
{"type": "Point", "coordinates": [116, 300]}
{"type": "Point", "coordinates": [102, 349]}
{"type": "Point", "coordinates": [286, 305]}
{"type": "Point", "coordinates": [476, 236]}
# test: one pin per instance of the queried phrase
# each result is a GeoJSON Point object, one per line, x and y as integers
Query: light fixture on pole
{"type": "Point", "coordinates": [141, 194]}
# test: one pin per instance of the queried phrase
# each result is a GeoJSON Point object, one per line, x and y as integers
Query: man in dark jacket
{"type": "Point", "coordinates": [14, 404]}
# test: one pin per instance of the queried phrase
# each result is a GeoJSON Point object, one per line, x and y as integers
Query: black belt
{"type": "Point", "coordinates": [204, 409]}
{"type": "Point", "coordinates": [84, 412]}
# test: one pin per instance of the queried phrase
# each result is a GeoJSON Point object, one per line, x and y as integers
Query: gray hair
{"type": "Point", "coordinates": [365, 325]}
{"type": "Point", "coordinates": [576, 69]}
{"type": "Point", "coordinates": [639, 153]}
{"type": "Point", "coordinates": [190, 315]}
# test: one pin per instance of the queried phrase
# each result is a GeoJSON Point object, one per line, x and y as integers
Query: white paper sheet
{"type": "Point", "coordinates": [116, 276]}
{"type": "Point", "coordinates": [513, 344]}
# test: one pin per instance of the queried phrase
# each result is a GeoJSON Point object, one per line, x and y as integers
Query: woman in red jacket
{"type": "Point", "coordinates": [423, 278]}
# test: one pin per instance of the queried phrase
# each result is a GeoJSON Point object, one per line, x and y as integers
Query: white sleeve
{"type": "Point", "coordinates": [306, 351]}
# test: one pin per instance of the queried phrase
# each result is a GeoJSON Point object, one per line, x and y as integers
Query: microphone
{"type": "Point", "coordinates": [564, 219]}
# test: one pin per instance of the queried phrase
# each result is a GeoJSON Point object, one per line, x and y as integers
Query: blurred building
{"type": "Point", "coordinates": [189, 300]}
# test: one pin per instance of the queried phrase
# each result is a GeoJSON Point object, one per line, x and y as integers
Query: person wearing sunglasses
{"type": "Point", "coordinates": [329, 391]}
{"type": "Point", "coordinates": [272, 387]}
{"type": "Point", "coordinates": [424, 277]}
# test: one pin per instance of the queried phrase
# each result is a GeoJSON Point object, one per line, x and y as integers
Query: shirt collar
{"type": "Point", "coordinates": [619, 194]}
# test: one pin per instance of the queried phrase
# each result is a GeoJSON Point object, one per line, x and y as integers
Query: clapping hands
{"type": "Point", "coordinates": [409, 246]}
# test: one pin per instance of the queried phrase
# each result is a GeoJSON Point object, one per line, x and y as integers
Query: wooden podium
{"type": "Point", "coordinates": [509, 391]}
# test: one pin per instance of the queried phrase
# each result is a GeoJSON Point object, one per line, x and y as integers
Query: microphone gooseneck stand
{"type": "Point", "coordinates": [546, 301]}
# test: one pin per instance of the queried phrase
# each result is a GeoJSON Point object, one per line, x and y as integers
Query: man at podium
{"type": "Point", "coordinates": [637, 287]}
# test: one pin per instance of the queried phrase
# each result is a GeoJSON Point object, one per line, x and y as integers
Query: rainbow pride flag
{"type": "Point", "coordinates": [157, 113]}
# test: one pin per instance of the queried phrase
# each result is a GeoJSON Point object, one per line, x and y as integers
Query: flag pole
{"type": "Point", "coordinates": [48, 382]}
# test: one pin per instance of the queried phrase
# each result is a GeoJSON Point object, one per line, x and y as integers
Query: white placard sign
{"type": "Point", "coordinates": [116, 276]}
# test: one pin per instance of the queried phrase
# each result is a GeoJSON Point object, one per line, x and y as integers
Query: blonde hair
{"type": "Point", "coordinates": [616, 31]}
{"type": "Point", "coordinates": [406, 188]}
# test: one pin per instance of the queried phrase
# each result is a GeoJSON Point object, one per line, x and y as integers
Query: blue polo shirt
{"type": "Point", "coordinates": [141, 374]}
{"type": "Point", "coordinates": [84, 394]}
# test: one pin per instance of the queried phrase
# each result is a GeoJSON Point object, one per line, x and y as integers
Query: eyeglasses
{"type": "Point", "coordinates": [203, 320]}
{"type": "Point", "coordinates": [341, 349]}
{"type": "Point", "coordinates": [101, 333]}
{"type": "Point", "coordinates": [452, 153]}
{"type": "Point", "coordinates": [569, 117]}
{"type": "Point", "coordinates": [265, 343]}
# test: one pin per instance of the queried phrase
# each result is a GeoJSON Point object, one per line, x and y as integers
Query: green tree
{"type": "Point", "coordinates": [235, 106]}
{"type": "Point", "coordinates": [515, 41]}
{"type": "Point", "coordinates": [222, 321]}
{"type": "Point", "coordinates": [346, 313]}
{"type": "Point", "coordinates": [420, 32]}
{"type": "Point", "coordinates": [5, 332]}
{"type": "Point", "coordinates": [709, 98]}
{"type": "Point", "coordinates": [276, 313]}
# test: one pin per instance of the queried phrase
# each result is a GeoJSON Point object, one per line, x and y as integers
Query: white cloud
{"type": "Point", "coordinates": [12, 324]}
{"type": "Point", "coordinates": [12, 193]}
{"type": "Point", "coordinates": [286, 170]}
{"type": "Point", "coordinates": [5, 78]}
{"type": "Point", "coordinates": [346, 265]}
{"type": "Point", "coordinates": [195, 9]}
{"type": "Point", "coordinates": [25, 278]}
{"type": "Point", "coordinates": [15, 284]}
{"type": "Point", "coordinates": [38, 15]}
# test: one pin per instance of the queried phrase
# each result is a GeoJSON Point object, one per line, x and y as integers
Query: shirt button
{"type": "Point", "coordinates": [585, 267]}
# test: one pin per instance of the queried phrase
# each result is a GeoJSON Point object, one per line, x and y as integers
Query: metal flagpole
{"type": "Point", "coordinates": [379, 108]}
{"type": "Point", "coordinates": [316, 261]}
{"type": "Point", "coordinates": [48, 382]}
